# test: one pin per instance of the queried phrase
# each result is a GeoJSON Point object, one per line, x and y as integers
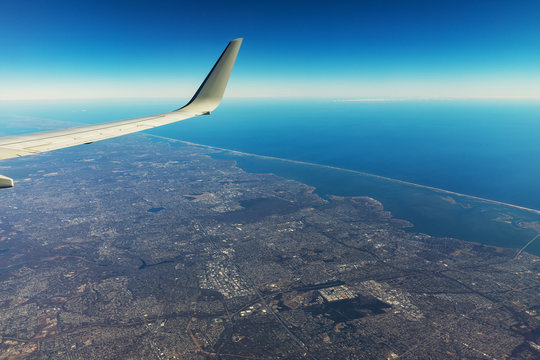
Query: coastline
{"type": "Point", "coordinates": [427, 187]}
{"type": "Point", "coordinates": [480, 216]}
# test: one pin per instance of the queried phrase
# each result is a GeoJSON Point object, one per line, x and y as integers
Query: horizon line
{"type": "Point", "coordinates": [329, 97]}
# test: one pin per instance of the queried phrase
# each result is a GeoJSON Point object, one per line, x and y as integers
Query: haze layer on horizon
{"type": "Point", "coordinates": [343, 49]}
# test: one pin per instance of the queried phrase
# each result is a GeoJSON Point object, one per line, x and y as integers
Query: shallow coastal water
{"type": "Point", "coordinates": [429, 211]}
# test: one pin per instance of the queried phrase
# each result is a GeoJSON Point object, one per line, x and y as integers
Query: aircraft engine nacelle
{"type": "Point", "coordinates": [5, 182]}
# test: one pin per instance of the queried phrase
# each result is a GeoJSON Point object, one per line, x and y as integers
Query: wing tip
{"type": "Point", "coordinates": [211, 91]}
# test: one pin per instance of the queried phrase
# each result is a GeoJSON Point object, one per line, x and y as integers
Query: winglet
{"type": "Point", "coordinates": [210, 93]}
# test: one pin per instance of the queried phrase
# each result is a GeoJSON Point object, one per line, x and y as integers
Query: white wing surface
{"type": "Point", "coordinates": [205, 100]}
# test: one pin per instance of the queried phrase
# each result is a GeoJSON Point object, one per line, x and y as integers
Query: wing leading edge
{"type": "Point", "coordinates": [205, 100]}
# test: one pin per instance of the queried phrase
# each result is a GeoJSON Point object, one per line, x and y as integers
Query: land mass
{"type": "Point", "coordinates": [144, 249]}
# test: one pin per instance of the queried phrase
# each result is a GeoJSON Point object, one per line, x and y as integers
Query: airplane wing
{"type": "Point", "coordinates": [205, 100]}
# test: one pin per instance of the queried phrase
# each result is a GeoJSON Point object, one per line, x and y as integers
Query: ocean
{"type": "Point", "coordinates": [484, 148]}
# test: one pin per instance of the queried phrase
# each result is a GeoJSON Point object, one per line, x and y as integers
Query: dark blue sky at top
{"type": "Point", "coordinates": [379, 48]}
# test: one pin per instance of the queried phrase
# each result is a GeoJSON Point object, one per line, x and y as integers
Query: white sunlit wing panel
{"type": "Point", "coordinates": [205, 100]}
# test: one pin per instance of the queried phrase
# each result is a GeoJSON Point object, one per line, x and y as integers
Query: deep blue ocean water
{"type": "Point", "coordinates": [485, 148]}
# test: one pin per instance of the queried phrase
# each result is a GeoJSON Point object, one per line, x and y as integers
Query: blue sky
{"type": "Point", "coordinates": [338, 49]}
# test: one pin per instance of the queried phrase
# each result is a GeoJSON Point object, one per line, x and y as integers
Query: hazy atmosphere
{"type": "Point", "coordinates": [339, 49]}
{"type": "Point", "coordinates": [366, 189]}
